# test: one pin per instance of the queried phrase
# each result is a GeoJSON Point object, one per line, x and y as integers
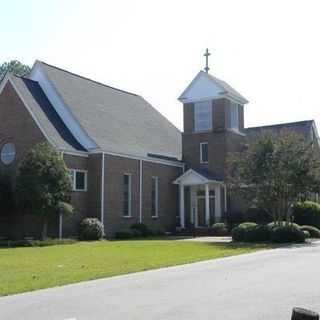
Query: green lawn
{"type": "Point", "coordinates": [26, 269]}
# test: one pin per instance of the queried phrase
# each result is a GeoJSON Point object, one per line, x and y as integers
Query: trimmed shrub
{"type": "Point", "coordinates": [142, 228]}
{"type": "Point", "coordinates": [238, 233]}
{"type": "Point", "coordinates": [314, 232]}
{"type": "Point", "coordinates": [259, 233]}
{"type": "Point", "coordinates": [247, 225]}
{"type": "Point", "coordinates": [128, 234]}
{"type": "Point", "coordinates": [159, 232]}
{"type": "Point", "coordinates": [219, 229]}
{"type": "Point", "coordinates": [282, 224]}
{"type": "Point", "coordinates": [91, 229]}
{"type": "Point", "coordinates": [285, 234]}
{"type": "Point", "coordinates": [307, 213]}
{"type": "Point", "coordinates": [124, 234]}
{"type": "Point", "coordinates": [36, 243]}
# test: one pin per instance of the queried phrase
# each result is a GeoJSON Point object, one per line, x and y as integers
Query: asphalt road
{"type": "Point", "coordinates": [263, 285]}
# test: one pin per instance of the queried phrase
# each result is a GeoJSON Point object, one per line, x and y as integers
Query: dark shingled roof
{"type": "Point", "coordinates": [116, 120]}
{"type": "Point", "coordinates": [45, 114]}
{"type": "Point", "coordinates": [301, 127]}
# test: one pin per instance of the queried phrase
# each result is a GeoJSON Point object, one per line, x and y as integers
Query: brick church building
{"type": "Point", "coordinates": [127, 162]}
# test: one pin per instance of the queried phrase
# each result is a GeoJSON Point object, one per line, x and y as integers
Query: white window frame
{"type": "Point", "coordinates": [234, 116]}
{"type": "Point", "coordinates": [197, 109]}
{"type": "Point", "coordinates": [129, 196]}
{"type": "Point", "coordinates": [74, 172]}
{"type": "Point", "coordinates": [201, 157]}
{"type": "Point", "coordinates": [4, 155]}
{"type": "Point", "coordinates": [156, 181]}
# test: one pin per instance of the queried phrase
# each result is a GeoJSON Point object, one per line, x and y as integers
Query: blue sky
{"type": "Point", "coordinates": [267, 50]}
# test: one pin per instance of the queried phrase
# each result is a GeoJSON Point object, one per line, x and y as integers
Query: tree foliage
{"type": "Point", "coordinates": [15, 67]}
{"type": "Point", "coordinates": [6, 195]}
{"type": "Point", "coordinates": [43, 183]}
{"type": "Point", "coordinates": [275, 172]}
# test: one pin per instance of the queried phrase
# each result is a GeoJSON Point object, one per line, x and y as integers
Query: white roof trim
{"type": "Point", "coordinates": [4, 81]}
{"type": "Point", "coordinates": [197, 179]}
{"type": "Point", "coordinates": [61, 107]}
{"type": "Point", "coordinates": [147, 159]}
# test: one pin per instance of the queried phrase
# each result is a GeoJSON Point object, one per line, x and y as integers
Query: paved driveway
{"type": "Point", "coordinates": [263, 285]}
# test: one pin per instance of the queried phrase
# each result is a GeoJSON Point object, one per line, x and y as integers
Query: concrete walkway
{"type": "Point", "coordinates": [209, 239]}
{"type": "Point", "coordinates": [262, 285]}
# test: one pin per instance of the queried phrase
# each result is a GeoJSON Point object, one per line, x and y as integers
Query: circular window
{"type": "Point", "coordinates": [8, 153]}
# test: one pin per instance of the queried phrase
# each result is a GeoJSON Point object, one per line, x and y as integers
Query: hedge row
{"type": "Point", "coordinates": [252, 232]}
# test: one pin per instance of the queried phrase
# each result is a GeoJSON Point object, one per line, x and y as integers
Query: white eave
{"type": "Point", "coordinates": [191, 177]}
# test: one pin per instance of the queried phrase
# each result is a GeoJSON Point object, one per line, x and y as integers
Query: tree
{"type": "Point", "coordinates": [14, 66]}
{"type": "Point", "coordinates": [6, 195]}
{"type": "Point", "coordinates": [43, 183]}
{"type": "Point", "coordinates": [275, 172]}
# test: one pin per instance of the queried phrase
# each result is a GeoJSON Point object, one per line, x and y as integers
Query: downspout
{"type": "Point", "coordinates": [140, 192]}
{"type": "Point", "coordinates": [102, 190]}
{"type": "Point", "coordinates": [225, 199]}
{"type": "Point", "coordinates": [60, 213]}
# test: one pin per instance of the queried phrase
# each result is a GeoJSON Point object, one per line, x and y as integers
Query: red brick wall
{"type": "Point", "coordinates": [17, 126]}
{"type": "Point", "coordinates": [115, 168]}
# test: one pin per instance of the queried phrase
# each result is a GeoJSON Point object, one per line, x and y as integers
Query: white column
{"type": "Point", "coordinates": [225, 199]}
{"type": "Point", "coordinates": [140, 192]}
{"type": "Point", "coordinates": [217, 202]}
{"type": "Point", "coordinates": [192, 205]}
{"type": "Point", "coordinates": [207, 198]}
{"type": "Point", "coordinates": [196, 220]}
{"type": "Point", "coordinates": [182, 213]}
{"type": "Point", "coordinates": [102, 190]}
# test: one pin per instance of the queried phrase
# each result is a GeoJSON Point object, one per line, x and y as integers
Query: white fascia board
{"type": "Point", "coordinates": [189, 86]}
{"type": "Point", "coordinates": [39, 74]}
{"type": "Point", "coordinates": [221, 95]}
{"type": "Point", "coordinates": [75, 153]}
{"type": "Point", "coordinates": [201, 178]}
{"type": "Point", "coordinates": [236, 99]}
{"type": "Point", "coordinates": [147, 159]}
{"type": "Point", "coordinates": [4, 81]}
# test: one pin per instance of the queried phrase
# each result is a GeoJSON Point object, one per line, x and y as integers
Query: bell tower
{"type": "Point", "coordinates": [213, 122]}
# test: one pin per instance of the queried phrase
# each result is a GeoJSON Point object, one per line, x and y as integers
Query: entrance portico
{"type": "Point", "coordinates": [205, 199]}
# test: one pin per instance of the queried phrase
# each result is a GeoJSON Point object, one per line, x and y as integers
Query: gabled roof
{"type": "Point", "coordinates": [44, 114]}
{"type": "Point", "coordinates": [116, 120]}
{"type": "Point", "coordinates": [210, 87]}
{"type": "Point", "coordinates": [193, 177]}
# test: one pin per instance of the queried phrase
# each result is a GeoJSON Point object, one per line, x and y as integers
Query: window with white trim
{"type": "Point", "coordinates": [79, 179]}
{"type": "Point", "coordinates": [155, 197]}
{"type": "Point", "coordinates": [8, 153]}
{"type": "Point", "coordinates": [127, 197]}
{"type": "Point", "coordinates": [204, 156]}
{"type": "Point", "coordinates": [203, 116]}
{"type": "Point", "coordinates": [234, 116]}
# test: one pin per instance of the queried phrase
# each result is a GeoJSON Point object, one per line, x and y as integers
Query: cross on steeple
{"type": "Point", "coordinates": [207, 54]}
